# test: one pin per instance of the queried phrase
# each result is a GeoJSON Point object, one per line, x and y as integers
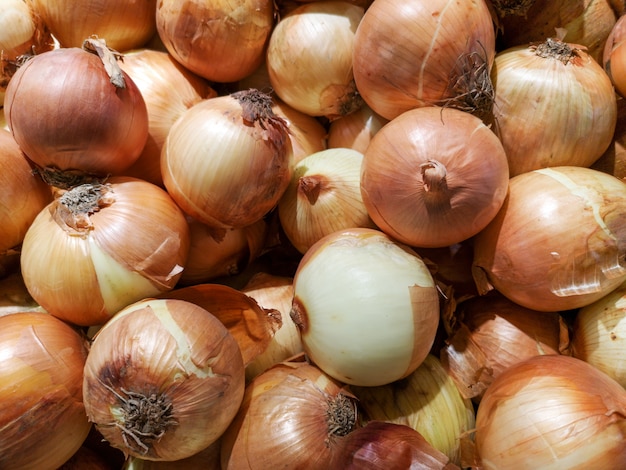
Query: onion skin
{"type": "Point", "coordinates": [100, 131]}
{"type": "Point", "coordinates": [558, 412]}
{"type": "Point", "coordinates": [182, 356]}
{"type": "Point", "coordinates": [558, 240]}
{"type": "Point", "coordinates": [42, 418]}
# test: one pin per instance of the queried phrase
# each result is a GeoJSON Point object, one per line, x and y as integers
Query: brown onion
{"type": "Point", "coordinates": [558, 241]}
{"type": "Point", "coordinates": [424, 54]}
{"type": "Point", "coordinates": [552, 412]}
{"type": "Point", "coordinates": [613, 160]}
{"type": "Point", "coordinates": [220, 41]}
{"type": "Point", "coordinates": [163, 379]}
{"type": "Point", "coordinates": [67, 115]}
{"type": "Point", "coordinates": [355, 131]}
{"type": "Point", "coordinates": [42, 417]}
{"type": "Point", "coordinates": [554, 105]}
{"type": "Point", "coordinates": [433, 177]}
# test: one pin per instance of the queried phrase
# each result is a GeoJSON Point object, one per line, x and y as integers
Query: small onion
{"type": "Point", "coordinates": [66, 114]}
{"type": "Point", "coordinates": [309, 58]}
{"type": "Point", "coordinates": [428, 401]}
{"type": "Point", "coordinates": [613, 160]}
{"type": "Point", "coordinates": [366, 306]}
{"type": "Point", "coordinates": [356, 130]}
{"type": "Point", "coordinates": [293, 415]}
{"type": "Point", "coordinates": [614, 56]}
{"type": "Point", "coordinates": [558, 242]}
{"type": "Point", "coordinates": [42, 418]}
{"type": "Point", "coordinates": [599, 334]}
{"type": "Point", "coordinates": [98, 248]}
{"type": "Point", "coordinates": [23, 194]}
{"type": "Point", "coordinates": [552, 412]}
{"type": "Point", "coordinates": [124, 24]}
{"type": "Point", "coordinates": [220, 41]}
{"type": "Point", "coordinates": [163, 379]}
{"type": "Point", "coordinates": [323, 196]}
{"type": "Point", "coordinates": [433, 177]}
{"type": "Point", "coordinates": [423, 54]}
{"type": "Point", "coordinates": [554, 105]}
{"type": "Point", "coordinates": [227, 160]}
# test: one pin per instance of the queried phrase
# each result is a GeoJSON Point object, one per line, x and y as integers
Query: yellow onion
{"type": "Point", "coordinates": [163, 379]}
{"type": "Point", "coordinates": [355, 131]}
{"type": "Point", "coordinates": [614, 56]}
{"type": "Point", "coordinates": [220, 41]}
{"type": "Point", "coordinates": [599, 334]}
{"type": "Point", "coordinates": [342, 286]}
{"type": "Point", "coordinates": [323, 196]}
{"type": "Point", "coordinates": [424, 54]}
{"type": "Point", "coordinates": [584, 22]}
{"type": "Point", "coordinates": [274, 292]}
{"type": "Point", "coordinates": [98, 248]}
{"type": "Point", "coordinates": [552, 412]}
{"type": "Point", "coordinates": [68, 116]}
{"type": "Point", "coordinates": [491, 334]}
{"type": "Point", "coordinates": [124, 24]}
{"type": "Point", "coordinates": [309, 58]}
{"type": "Point", "coordinates": [168, 90]}
{"type": "Point", "coordinates": [217, 252]}
{"type": "Point", "coordinates": [428, 401]}
{"type": "Point", "coordinates": [14, 297]}
{"type": "Point", "coordinates": [554, 105]}
{"type": "Point", "coordinates": [613, 160]}
{"type": "Point", "coordinates": [227, 160]}
{"type": "Point", "coordinates": [558, 242]}
{"type": "Point", "coordinates": [293, 415]}
{"type": "Point", "coordinates": [23, 194]}
{"type": "Point", "coordinates": [433, 177]}
{"type": "Point", "coordinates": [42, 417]}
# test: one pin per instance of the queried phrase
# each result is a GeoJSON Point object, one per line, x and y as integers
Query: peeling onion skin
{"type": "Point", "coordinates": [180, 354]}
{"type": "Point", "coordinates": [42, 416]}
{"type": "Point", "coordinates": [558, 242]}
{"type": "Point", "coordinates": [552, 412]}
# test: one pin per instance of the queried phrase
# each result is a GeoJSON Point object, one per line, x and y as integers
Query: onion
{"type": "Point", "coordinates": [552, 412]}
{"type": "Point", "coordinates": [424, 54]}
{"type": "Point", "coordinates": [98, 248]}
{"type": "Point", "coordinates": [355, 131]}
{"type": "Point", "coordinates": [614, 56]}
{"type": "Point", "coordinates": [124, 24]}
{"type": "Point", "coordinates": [599, 334]}
{"type": "Point", "coordinates": [433, 177]}
{"type": "Point", "coordinates": [168, 90]}
{"type": "Point", "coordinates": [554, 106]}
{"type": "Point", "coordinates": [14, 297]}
{"type": "Point", "coordinates": [558, 242]}
{"type": "Point", "coordinates": [419, 401]}
{"type": "Point", "coordinates": [309, 58]}
{"type": "Point", "coordinates": [68, 117]}
{"type": "Point", "coordinates": [220, 41]}
{"type": "Point", "coordinates": [228, 160]}
{"type": "Point", "coordinates": [163, 379]}
{"type": "Point", "coordinates": [293, 415]}
{"type": "Point", "coordinates": [493, 333]}
{"type": "Point", "coordinates": [42, 419]}
{"type": "Point", "coordinates": [613, 160]}
{"type": "Point", "coordinates": [23, 194]}
{"type": "Point", "coordinates": [343, 285]}
{"type": "Point", "coordinates": [323, 196]}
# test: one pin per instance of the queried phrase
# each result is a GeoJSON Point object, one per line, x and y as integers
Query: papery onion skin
{"type": "Point", "coordinates": [219, 41]}
{"type": "Point", "coordinates": [84, 268]}
{"type": "Point", "coordinates": [179, 356]}
{"type": "Point", "coordinates": [355, 130]}
{"type": "Point", "coordinates": [228, 160]}
{"type": "Point", "coordinates": [42, 417]}
{"type": "Point", "coordinates": [552, 412]}
{"type": "Point", "coordinates": [433, 177]}
{"type": "Point", "coordinates": [558, 242]}
{"type": "Point", "coordinates": [23, 195]}
{"type": "Point", "coordinates": [554, 105]}
{"type": "Point", "coordinates": [366, 306]}
{"type": "Point", "coordinates": [65, 114]}
{"type": "Point", "coordinates": [410, 55]}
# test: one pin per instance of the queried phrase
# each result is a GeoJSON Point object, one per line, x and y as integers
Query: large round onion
{"type": "Point", "coordinates": [366, 306]}
{"type": "Point", "coordinates": [558, 243]}
{"type": "Point", "coordinates": [433, 177]}
{"type": "Point", "coordinates": [552, 412]}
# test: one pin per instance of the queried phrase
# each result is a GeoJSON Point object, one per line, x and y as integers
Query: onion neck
{"type": "Point", "coordinates": [341, 415]}
{"type": "Point", "coordinates": [74, 207]}
{"type": "Point", "coordinates": [556, 49]}
{"type": "Point", "coordinates": [310, 187]}
{"type": "Point", "coordinates": [434, 176]}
